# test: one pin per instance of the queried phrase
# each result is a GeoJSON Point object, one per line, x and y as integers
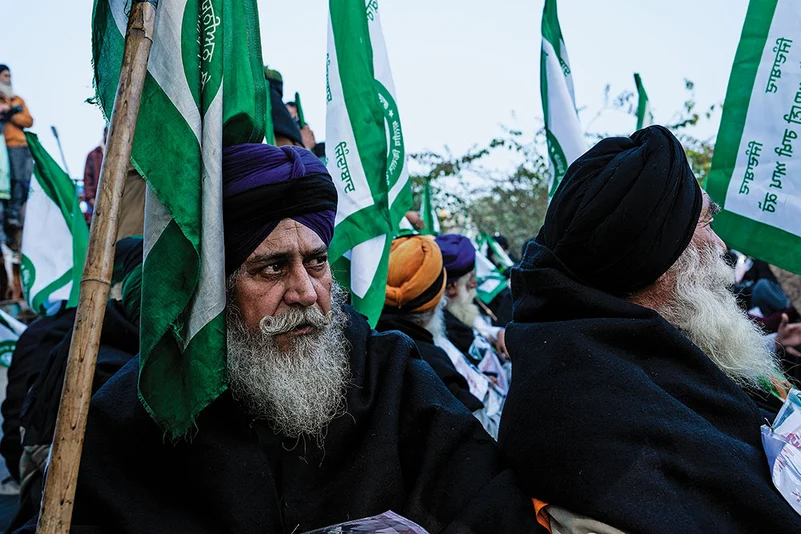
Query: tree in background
{"type": "Point", "coordinates": [513, 203]}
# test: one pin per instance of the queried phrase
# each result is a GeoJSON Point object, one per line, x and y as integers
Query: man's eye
{"type": "Point", "coordinates": [273, 268]}
{"type": "Point", "coordinates": [318, 261]}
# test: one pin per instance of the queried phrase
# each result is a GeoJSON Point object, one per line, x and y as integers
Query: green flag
{"type": "Point", "coordinates": [301, 118]}
{"type": "Point", "coordinates": [644, 115]}
{"type": "Point", "coordinates": [756, 170]}
{"type": "Point", "coordinates": [54, 237]}
{"type": "Point", "coordinates": [10, 330]}
{"type": "Point", "coordinates": [562, 128]}
{"type": "Point", "coordinates": [205, 89]}
{"type": "Point", "coordinates": [365, 152]}
{"type": "Point", "coordinates": [490, 280]}
{"type": "Point", "coordinates": [430, 217]}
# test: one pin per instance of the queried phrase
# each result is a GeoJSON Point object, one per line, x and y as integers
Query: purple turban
{"type": "Point", "coordinates": [458, 255]}
{"type": "Point", "coordinates": [264, 184]}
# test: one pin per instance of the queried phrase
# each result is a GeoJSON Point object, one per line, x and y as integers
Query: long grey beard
{"type": "Point", "coordinates": [7, 90]}
{"type": "Point", "coordinates": [463, 307]}
{"type": "Point", "coordinates": [707, 312]}
{"type": "Point", "coordinates": [299, 391]}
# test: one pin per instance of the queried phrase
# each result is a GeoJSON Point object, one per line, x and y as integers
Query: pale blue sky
{"type": "Point", "coordinates": [462, 67]}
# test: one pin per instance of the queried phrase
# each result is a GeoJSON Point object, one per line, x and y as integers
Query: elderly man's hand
{"type": "Point", "coordinates": [789, 336]}
{"type": "Point", "coordinates": [500, 344]}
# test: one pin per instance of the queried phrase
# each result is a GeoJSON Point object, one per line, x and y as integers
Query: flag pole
{"type": "Point", "coordinates": [65, 456]}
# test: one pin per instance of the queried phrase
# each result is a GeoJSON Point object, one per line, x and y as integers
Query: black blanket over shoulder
{"type": "Point", "coordinates": [613, 413]}
{"type": "Point", "coordinates": [405, 445]}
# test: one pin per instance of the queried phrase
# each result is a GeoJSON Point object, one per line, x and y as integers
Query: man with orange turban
{"type": "Point", "coordinates": [415, 284]}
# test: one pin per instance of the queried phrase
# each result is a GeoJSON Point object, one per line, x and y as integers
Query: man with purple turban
{"type": "Point", "coordinates": [324, 419]}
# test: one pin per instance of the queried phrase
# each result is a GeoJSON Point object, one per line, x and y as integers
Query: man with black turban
{"type": "Point", "coordinates": [324, 420]}
{"type": "Point", "coordinates": [636, 357]}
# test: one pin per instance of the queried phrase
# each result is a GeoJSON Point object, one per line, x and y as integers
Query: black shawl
{"type": "Point", "coordinates": [406, 444]}
{"type": "Point", "coordinates": [433, 356]}
{"type": "Point", "coordinates": [613, 413]}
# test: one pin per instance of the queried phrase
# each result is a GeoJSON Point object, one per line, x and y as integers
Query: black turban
{"type": "Point", "coordinates": [624, 212]}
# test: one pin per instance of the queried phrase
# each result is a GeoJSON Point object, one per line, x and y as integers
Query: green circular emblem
{"type": "Point", "coordinates": [396, 152]}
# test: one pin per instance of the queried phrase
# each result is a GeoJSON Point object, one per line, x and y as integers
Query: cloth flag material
{"type": "Point", "coordinates": [365, 152]}
{"type": "Point", "coordinates": [486, 243]}
{"type": "Point", "coordinates": [756, 169]}
{"type": "Point", "coordinates": [490, 280]}
{"type": "Point", "coordinates": [54, 238]}
{"type": "Point", "coordinates": [205, 89]}
{"type": "Point", "coordinates": [562, 128]}
{"type": "Point", "coordinates": [644, 115]}
{"type": "Point", "coordinates": [10, 330]}
{"type": "Point", "coordinates": [430, 217]}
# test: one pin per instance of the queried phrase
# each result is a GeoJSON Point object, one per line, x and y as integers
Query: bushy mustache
{"type": "Point", "coordinates": [293, 318]}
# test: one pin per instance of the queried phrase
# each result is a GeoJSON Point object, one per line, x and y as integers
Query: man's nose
{"type": "Point", "coordinates": [300, 289]}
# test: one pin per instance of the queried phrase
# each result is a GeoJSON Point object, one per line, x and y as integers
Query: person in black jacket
{"type": "Point", "coordinates": [415, 284]}
{"type": "Point", "coordinates": [629, 342]}
{"type": "Point", "coordinates": [320, 420]}
{"type": "Point", "coordinates": [119, 342]}
{"type": "Point", "coordinates": [30, 354]}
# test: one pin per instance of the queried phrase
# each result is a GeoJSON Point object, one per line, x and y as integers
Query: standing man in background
{"type": "Point", "coordinates": [16, 116]}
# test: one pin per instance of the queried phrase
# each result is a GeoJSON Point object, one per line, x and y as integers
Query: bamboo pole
{"type": "Point", "coordinates": [65, 456]}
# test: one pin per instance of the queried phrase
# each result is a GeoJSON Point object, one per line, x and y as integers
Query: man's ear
{"type": "Point", "coordinates": [450, 290]}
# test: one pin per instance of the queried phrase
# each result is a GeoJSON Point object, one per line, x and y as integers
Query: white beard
{"type": "Point", "coordinates": [462, 306]}
{"type": "Point", "coordinates": [707, 312]}
{"type": "Point", "coordinates": [299, 391]}
{"type": "Point", "coordinates": [7, 90]}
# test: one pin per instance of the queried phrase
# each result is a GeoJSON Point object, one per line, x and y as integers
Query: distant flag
{"type": "Point", "coordinates": [54, 237]}
{"type": "Point", "coordinates": [205, 89]}
{"type": "Point", "coordinates": [756, 176]}
{"type": "Point", "coordinates": [365, 151]}
{"type": "Point", "coordinates": [490, 280]}
{"type": "Point", "coordinates": [10, 330]}
{"type": "Point", "coordinates": [486, 244]}
{"type": "Point", "coordinates": [644, 115]}
{"type": "Point", "coordinates": [430, 217]}
{"type": "Point", "coordinates": [299, 106]}
{"type": "Point", "coordinates": [489, 275]}
{"type": "Point", "coordinates": [563, 131]}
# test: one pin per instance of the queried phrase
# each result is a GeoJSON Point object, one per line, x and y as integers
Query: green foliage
{"type": "Point", "coordinates": [513, 203]}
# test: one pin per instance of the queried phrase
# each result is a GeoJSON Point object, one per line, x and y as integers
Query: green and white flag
{"type": "Point", "coordinates": [490, 280]}
{"type": "Point", "coordinates": [562, 128]}
{"type": "Point", "coordinates": [365, 152]}
{"type": "Point", "coordinates": [756, 169]}
{"type": "Point", "coordinates": [486, 243]}
{"type": "Point", "coordinates": [54, 237]}
{"type": "Point", "coordinates": [430, 217]}
{"type": "Point", "coordinates": [10, 330]}
{"type": "Point", "coordinates": [644, 115]}
{"type": "Point", "coordinates": [205, 89]}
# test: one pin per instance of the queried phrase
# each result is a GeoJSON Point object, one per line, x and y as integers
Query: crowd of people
{"type": "Point", "coordinates": [618, 385]}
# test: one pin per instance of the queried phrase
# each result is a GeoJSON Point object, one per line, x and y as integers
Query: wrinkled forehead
{"type": "Point", "coordinates": [290, 237]}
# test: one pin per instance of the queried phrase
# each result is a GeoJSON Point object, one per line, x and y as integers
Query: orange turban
{"type": "Point", "coordinates": [416, 278]}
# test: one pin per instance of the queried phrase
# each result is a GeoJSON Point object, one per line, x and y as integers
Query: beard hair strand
{"type": "Point", "coordinates": [707, 312]}
{"type": "Point", "coordinates": [299, 391]}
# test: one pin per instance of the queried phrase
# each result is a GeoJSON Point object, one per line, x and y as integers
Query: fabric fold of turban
{"type": "Point", "coordinates": [458, 254]}
{"type": "Point", "coordinates": [416, 279]}
{"type": "Point", "coordinates": [624, 212]}
{"type": "Point", "coordinates": [263, 185]}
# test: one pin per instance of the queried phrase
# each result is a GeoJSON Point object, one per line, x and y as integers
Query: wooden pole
{"type": "Point", "coordinates": [65, 456]}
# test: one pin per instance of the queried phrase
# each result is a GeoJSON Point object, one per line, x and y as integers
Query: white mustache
{"type": "Point", "coordinates": [280, 324]}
